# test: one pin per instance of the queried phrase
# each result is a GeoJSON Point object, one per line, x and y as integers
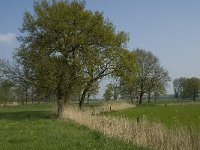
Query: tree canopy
{"type": "Point", "coordinates": [66, 48]}
{"type": "Point", "coordinates": [186, 88]}
{"type": "Point", "coordinates": [149, 77]}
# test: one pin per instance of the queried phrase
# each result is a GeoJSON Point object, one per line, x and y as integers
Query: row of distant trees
{"type": "Point", "coordinates": [186, 88]}
{"type": "Point", "coordinates": [65, 51]}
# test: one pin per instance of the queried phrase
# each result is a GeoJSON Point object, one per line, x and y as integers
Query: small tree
{"type": "Point", "coordinates": [108, 92]}
{"type": "Point", "coordinates": [194, 87]}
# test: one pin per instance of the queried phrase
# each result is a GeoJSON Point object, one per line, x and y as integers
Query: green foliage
{"type": "Point", "coordinates": [94, 89]}
{"type": "Point", "coordinates": [186, 88]}
{"type": "Point", "coordinates": [126, 71]}
{"type": "Point", "coordinates": [176, 115]}
{"type": "Point", "coordinates": [142, 74]}
{"type": "Point", "coordinates": [108, 92]}
{"type": "Point", "coordinates": [65, 48]}
{"type": "Point", "coordinates": [5, 91]}
{"type": "Point", "coordinates": [35, 127]}
{"type": "Point", "coordinates": [152, 76]}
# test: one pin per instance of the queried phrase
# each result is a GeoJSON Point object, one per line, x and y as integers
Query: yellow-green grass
{"type": "Point", "coordinates": [184, 115]}
{"type": "Point", "coordinates": [35, 127]}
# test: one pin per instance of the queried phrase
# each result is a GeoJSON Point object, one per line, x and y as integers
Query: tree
{"type": "Point", "coordinates": [179, 85]}
{"type": "Point", "coordinates": [7, 71]}
{"type": "Point", "coordinates": [128, 91]}
{"type": "Point", "coordinates": [194, 86]}
{"type": "Point", "coordinates": [151, 73]}
{"type": "Point", "coordinates": [103, 59]}
{"type": "Point", "coordinates": [94, 89]}
{"type": "Point", "coordinates": [116, 91]}
{"type": "Point", "coordinates": [19, 78]}
{"type": "Point", "coordinates": [142, 74]}
{"type": "Point", "coordinates": [67, 48]}
{"type": "Point", "coordinates": [159, 89]}
{"type": "Point", "coordinates": [5, 91]}
{"type": "Point", "coordinates": [187, 87]}
{"type": "Point", "coordinates": [108, 92]}
{"type": "Point", "coordinates": [126, 71]}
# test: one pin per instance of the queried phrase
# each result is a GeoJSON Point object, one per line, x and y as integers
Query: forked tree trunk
{"type": "Point", "coordinates": [84, 93]}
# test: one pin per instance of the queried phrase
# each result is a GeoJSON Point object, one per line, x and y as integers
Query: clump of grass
{"type": "Point", "coordinates": [146, 133]}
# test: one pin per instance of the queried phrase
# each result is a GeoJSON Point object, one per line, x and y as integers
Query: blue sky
{"type": "Point", "coordinates": [170, 29]}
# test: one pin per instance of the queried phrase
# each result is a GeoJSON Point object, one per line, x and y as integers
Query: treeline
{"type": "Point", "coordinates": [65, 51]}
{"type": "Point", "coordinates": [14, 87]}
{"type": "Point", "coordinates": [187, 88]}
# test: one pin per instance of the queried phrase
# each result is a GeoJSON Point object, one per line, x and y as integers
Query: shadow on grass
{"type": "Point", "coordinates": [27, 115]}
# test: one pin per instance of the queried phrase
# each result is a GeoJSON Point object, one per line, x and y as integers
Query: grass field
{"type": "Point", "coordinates": [34, 127]}
{"type": "Point", "coordinates": [170, 115]}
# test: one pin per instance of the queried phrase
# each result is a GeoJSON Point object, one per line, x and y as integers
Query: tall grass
{"type": "Point", "coordinates": [110, 106]}
{"type": "Point", "coordinates": [153, 135]}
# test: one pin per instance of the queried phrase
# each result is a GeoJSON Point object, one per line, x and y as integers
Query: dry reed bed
{"type": "Point", "coordinates": [153, 135]}
{"type": "Point", "coordinates": [108, 106]}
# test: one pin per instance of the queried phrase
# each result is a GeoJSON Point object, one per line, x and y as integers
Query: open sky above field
{"type": "Point", "coordinates": [170, 29]}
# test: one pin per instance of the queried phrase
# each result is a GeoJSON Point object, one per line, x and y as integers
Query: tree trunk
{"type": "Point", "coordinates": [84, 93]}
{"type": "Point", "coordinates": [22, 99]}
{"type": "Point", "coordinates": [142, 91]}
{"type": "Point", "coordinates": [88, 98]}
{"type": "Point", "coordinates": [155, 98]}
{"type": "Point", "coordinates": [26, 96]}
{"type": "Point", "coordinates": [83, 98]}
{"type": "Point", "coordinates": [60, 107]}
{"type": "Point", "coordinates": [194, 95]}
{"type": "Point", "coordinates": [38, 101]}
{"type": "Point", "coordinates": [32, 99]}
{"type": "Point", "coordinates": [26, 101]}
{"type": "Point", "coordinates": [59, 99]}
{"type": "Point", "coordinates": [137, 100]}
{"type": "Point", "coordinates": [131, 100]}
{"type": "Point", "coordinates": [59, 102]}
{"type": "Point", "coordinates": [149, 97]}
{"type": "Point", "coordinates": [140, 98]}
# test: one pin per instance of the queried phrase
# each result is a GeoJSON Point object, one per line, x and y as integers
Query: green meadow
{"type": "Point", "coordinates": [35, 127]}
{"type": "Point", "coordinates": [174, 115]}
